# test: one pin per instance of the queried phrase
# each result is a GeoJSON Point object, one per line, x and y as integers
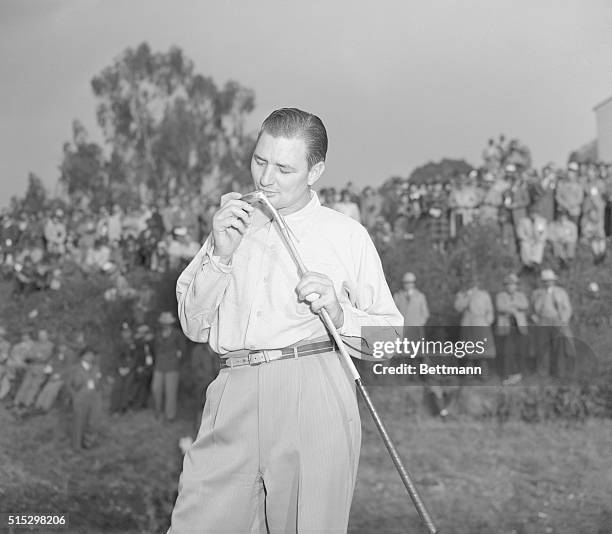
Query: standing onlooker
{"type": "Point", "coordinates": [511, 330]}
{"type": "Point", "coordinates": [592, 223]}
{"type": "Point", "coordinates": [477, 316]}
{"type": "Point", "coordinates": [126, 359]}
{"type": "Point", "coordinates": [531, 234]}
{"type": "Point", "coordinates": [437, 210]}
{"type": "Point", "coordinates": [143, 372]}
{"type": "Point", "coordinates": [552, 313]}
{"type": "Point", "coordinates": [569, 194]}
{"type": "Point", "coordinates": [84, 387]}
{"type": "Point", "coordinates": [412, 304]}
{"type": "Point", "coordinates": [5, 368]}
{"type": "Point", "coordinates": [168, 348]}
{"type": "Point", "coordinates": [55, 234]}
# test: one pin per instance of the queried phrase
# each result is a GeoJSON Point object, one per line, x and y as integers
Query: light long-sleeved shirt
{"type": "Point", "coordinates": [251, 303]}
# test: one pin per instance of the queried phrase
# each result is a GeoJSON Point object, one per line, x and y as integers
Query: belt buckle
{"type": "Point", "coordinates": [254, 363]}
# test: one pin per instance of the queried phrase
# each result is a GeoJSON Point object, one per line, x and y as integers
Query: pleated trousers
{"type": "Point", "coordinates": [277, 451]}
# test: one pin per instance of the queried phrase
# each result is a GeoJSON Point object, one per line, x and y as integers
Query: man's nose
{"type": "Point", "coordinates": [267, 176]}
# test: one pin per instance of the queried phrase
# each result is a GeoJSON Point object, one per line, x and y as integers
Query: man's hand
{"type": "Point", "coordinates": [230, 223]}
{"type": "Point", "coordinates": [318, 289]}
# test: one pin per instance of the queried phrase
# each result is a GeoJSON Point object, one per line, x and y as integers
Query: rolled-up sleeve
{"type": "Point", "coordinates": [199, 291]}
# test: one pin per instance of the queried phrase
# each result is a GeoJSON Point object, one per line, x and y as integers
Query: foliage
{"type": "Point", "coordinates": [170, 128]}
{"type": "Point", "coordinates": [35, 198]}
{"type": "Point", "coordinates": [444, 170]}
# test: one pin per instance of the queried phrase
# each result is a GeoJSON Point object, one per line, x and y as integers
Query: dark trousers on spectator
{"type": "Point", "coordinates": [165, 392]}
{"type": "Point", "coordinates": [140, 389]}
{"type": "Point", "coordinates": [87, 405]}
{"type": "Point", "coordinates": [120, 394]}
{"type": "Point", "coordinates": [512, 353]}
{"type": "Point", "coordinates": [555, 352]}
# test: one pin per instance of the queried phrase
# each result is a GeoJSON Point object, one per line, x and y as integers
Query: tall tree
{"type": "Point", "coordinates": [35, 196]}
{"type": "Point", "coordinates": [83, 172]}
{"type": "Point", "coordinates": [170, 127]}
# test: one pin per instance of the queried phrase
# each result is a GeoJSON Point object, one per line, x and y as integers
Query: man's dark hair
{"type": "Point", "coordinates": [293, 122]}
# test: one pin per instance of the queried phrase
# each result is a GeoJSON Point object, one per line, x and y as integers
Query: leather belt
{"type": "Point", "coordinates": [266, 356]}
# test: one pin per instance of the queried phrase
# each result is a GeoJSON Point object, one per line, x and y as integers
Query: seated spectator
{"type": "Point", "coordinates": [57, 370]}
{"type": "Point", "coordinates": [531, 233]}
{"type": "Point", "coordinates": [36, 360]}
{"type": "Point", "coordinates": [563, 236]}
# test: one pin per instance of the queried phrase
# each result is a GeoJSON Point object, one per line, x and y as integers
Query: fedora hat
{"type": "Point", "coordinates": [548, 275]}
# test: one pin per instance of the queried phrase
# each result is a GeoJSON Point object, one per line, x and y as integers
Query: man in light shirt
{"type": "Point", "coordinates": [278, 446]}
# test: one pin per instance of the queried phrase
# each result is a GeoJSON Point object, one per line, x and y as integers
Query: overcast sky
{"type": "Point", "coordinates": [397, 83]}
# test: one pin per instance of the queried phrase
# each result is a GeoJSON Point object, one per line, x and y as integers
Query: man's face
{"type": "Point", "coordinates": [280, 169]}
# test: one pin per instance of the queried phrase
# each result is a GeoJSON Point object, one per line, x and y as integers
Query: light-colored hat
{"type": "Point", "coordinates": [573, 166]}
{"type": "Point", "coordinates": [510, 168]}
{"type": "Point", "coordinates": [511, 279]}
{"type": "Point", "coordinates": [108, 267]}
{"type": "Point", "coordinates": [143, 329]}
{"type": "Point", "coordinates": [409, 277]}
{"type": "Point", "coordinates": [166, 318]}
{"type": "Point", "coordinates": [548, 275]}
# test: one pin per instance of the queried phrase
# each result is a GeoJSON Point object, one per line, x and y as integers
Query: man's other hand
{"type": "Point", "coordinates": [318, 289]}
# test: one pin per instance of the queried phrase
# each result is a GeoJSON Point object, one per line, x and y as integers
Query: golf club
{"type": "Point", "coordinates": [260, 196]}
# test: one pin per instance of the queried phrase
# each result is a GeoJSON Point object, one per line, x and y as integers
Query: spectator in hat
{"type": "Point", "coordinates": [552, 313]}
{"type": "Point", "coordinates": [412, 304]}
{"type": "Point", "coordinates": [563, 236]}
{"type": "Point", "coordinates": [55, 234]}
{"type": "Point", "coordinates": [543, 193]}
{"type": "Point", "coordinates": [168, 347]}
{"type": "Point", "coordinates": [511, 330]}
{"type": "Point", "coordinates": [124, 372]}
{"type": "Point", "coordinates": [531, 234]}
{"type": "Point", "coordinates": [493, 200]}
{"type": "Point", "coordinates": [84, 388]}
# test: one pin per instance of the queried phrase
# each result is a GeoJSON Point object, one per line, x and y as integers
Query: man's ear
{"type": "Point", "coordinates": [315, 172]}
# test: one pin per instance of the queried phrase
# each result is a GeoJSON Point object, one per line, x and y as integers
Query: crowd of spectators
{"type": "Point", "coordinates": [531, 211]}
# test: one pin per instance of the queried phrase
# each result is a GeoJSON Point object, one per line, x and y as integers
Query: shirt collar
{"type": "Point", "coordinates": [313, 204]}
